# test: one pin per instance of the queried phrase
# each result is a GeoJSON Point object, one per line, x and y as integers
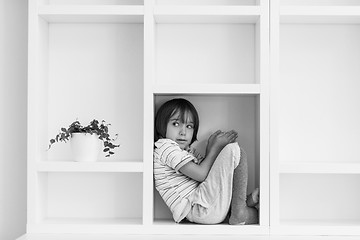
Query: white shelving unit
{"type": "Point", "coordinates": [118, 60]}
{"type": "Point", "coordinates": [314, 121]}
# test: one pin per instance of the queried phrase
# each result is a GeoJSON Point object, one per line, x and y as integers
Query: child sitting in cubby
{"type": "Point", "coordinates": [207, 189]}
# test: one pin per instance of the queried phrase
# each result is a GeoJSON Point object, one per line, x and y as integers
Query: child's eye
{"type": "Point", "coordinates": [176, 124]}
{"type": "Point", "coordinates": [190, 126]}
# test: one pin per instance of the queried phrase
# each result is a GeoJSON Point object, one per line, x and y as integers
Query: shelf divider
{"type": "Point", "coordinates": [207, 89]}
{"type": "Point", "coordinates": [320, 167]}
{"type": "Point", "coordinates": [207, 14]}
{"type": "Point", "coordinates": [92, 13]}
{"type": "Point", "coordinates": [67, 166]}
{"type": "Point", "coordinates": [316, 227]}
{"type": "Point", "coordinates": [320, 14]}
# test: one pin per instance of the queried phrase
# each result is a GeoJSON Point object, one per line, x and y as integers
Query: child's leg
{"type": "Point", "coordinates": [211, 201]}
{"type": "Point", "coordinates": [240, 212]}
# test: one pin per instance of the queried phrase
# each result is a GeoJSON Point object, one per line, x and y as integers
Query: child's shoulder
{"type": "Point", "coordinates": [164, 142]}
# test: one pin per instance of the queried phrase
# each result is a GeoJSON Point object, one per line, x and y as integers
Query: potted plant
{"type": "Point", "coordinates": [86, 140]}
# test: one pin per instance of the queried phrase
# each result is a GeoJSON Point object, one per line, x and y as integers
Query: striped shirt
{"type": "Point", "coordinates": [173, 186]}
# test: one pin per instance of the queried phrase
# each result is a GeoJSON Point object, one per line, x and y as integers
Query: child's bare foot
{"type": "Point", "coordinates": [245, 216]}
{"type": "Point", "coordinates": [252, 199]}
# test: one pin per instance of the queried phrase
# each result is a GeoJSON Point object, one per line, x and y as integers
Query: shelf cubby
{"type": "Point", "coordinates": [318, 79]}
{"type": "Point", "coordinates": [208, 54]}
{"type": "Point", "coordinates": [238, 112]}
{"type": "Point", "coordinates": [81, 59]}
{"type": "Point", "coordinates": [88, 198]}
{"type": "Point", "coordinates": [306, 207]}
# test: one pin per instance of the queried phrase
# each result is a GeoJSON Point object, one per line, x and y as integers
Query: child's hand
{"type": "Point", "coordinates": [218, 140]}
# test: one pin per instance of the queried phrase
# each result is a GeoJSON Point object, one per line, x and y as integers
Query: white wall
{"type": "Point", "coordinates": [13, 105]}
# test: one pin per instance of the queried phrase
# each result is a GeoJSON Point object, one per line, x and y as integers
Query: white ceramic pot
{"type": "Point", "coordinates": [85, 147]}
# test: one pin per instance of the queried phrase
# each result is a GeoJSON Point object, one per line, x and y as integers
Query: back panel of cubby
{"type": "Point", "coordinates": [96, 71]}
{"type": "Point", "coordinates": [319, 72]}
{"type": "Point", "coordinates": [238, 112]}
{"type": "Point", "coordinates": [313, 197]}
{"type": "Point", "coordinates": [90, 196]}
{"type": "Point", "coordinates": [206, 53]}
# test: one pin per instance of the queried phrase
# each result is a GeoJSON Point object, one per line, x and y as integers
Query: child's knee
{"type": "Point", "coordinates": [230, 152]}
{"type": "Point", "coordinates": [233, 148]}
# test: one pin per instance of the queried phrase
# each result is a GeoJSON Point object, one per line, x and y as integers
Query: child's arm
{"type": "Point", "coordinates": [216, 143]}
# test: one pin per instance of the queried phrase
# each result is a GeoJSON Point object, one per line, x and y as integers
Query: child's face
{"type": "Point", "coordinates": [179, 131]}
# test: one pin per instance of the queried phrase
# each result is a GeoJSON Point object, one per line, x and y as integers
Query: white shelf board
{"type": "Point", "coordinates": [317, 227]}
{"type": "Point", "coordinates": [67, 166]}
{"type": "Point", "coordinates": [207, 89]}
{"type": "Point", "coordinates": [74, 225]}
{"type": "Point", "coordinates": [91, 13]}
{"type": "Point", "coordinates": [320, 222]}
{"type": "Point", "coordinates": [320, 167]}
{"type": "Point", "coordinates": [320, 14]}
{"type": "Point", "coordinates": [88, 221]}
{"type": "Point", "coordinates": [207, 14]}
{"type": "Point", "coordinates": [170, 227]}
{"type": "Point", "coordinates": [135, 226]}
{"type": "Point", "coordinates": [205, 236]}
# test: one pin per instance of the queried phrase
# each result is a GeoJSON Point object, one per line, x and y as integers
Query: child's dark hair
{"type": "Point", "coordinates": [169, 109]}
